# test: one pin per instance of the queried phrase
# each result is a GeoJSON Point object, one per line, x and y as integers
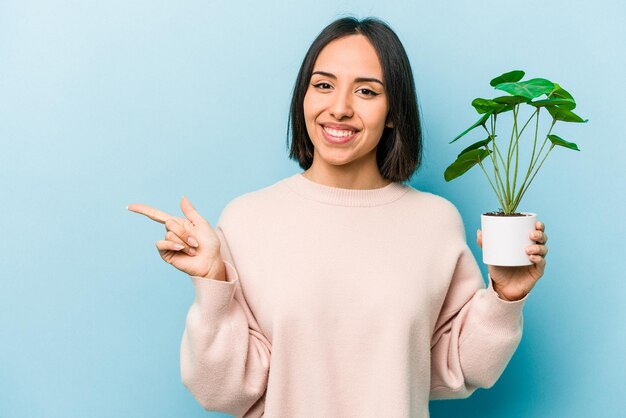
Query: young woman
{"type": "Point", "coordinates": [340, 291]}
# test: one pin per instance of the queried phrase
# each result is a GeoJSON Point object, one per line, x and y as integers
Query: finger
{"type": "Point", "coordinates": [539, 237]}
{"type": "Point", "coordinates": [190, 229]}
{"type": "Point", "coordinates": [150, 212]}
{"type": "Point", "coordinates": [541, 250]}
{"type": "Point", "coordinates": [178, 229]}
{"type": "Point", "coordinates": [190, 212]}
{"type": "Point", "coordinates": [165, 245]}
{"type": "Point", "coordinates": [540, 226]}
{"type": "Point", "coordinates": [540, 262]}
{"type": "Point", "coordinates": [479, 238]}
{"type": "Point", "coordinates": [170, 236]}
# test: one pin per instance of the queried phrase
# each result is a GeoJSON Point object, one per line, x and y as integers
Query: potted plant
{"type": "Point", "coordinates": [506, 232]}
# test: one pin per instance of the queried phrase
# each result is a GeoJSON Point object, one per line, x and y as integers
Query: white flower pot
{"type": "Point", "coordinates": [505, 239]}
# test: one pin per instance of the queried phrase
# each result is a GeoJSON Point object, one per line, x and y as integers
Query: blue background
{"type": "Point", "coordinates": [106, 103]}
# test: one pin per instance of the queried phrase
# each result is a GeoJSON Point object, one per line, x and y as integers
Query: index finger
{"type": "Point", "coordinates": [150, 212]}
{"type": "Point", "coordinates": [190, 212]}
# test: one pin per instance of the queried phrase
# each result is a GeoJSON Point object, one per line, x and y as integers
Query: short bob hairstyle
{"type": "Point", "coordinates": [399, 151]}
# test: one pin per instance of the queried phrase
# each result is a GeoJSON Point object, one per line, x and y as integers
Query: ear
{"type": "Point", "coordinates": [389, 124]}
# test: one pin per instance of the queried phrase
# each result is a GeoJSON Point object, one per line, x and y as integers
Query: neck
{"type": "Point", "coordinates": [338, 176]}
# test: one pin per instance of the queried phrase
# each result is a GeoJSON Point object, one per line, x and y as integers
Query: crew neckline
{"type": "Point", "coordinates": [345, 197]}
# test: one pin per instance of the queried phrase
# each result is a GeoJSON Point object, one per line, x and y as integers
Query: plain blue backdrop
{"type": "Point", "coordinates": [106, 103]}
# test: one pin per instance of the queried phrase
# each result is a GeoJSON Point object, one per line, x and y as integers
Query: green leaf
{"type": "Point", "coordinates": [560, 93]}
{"type": "Point", "coordinates": [486, 105]}
{"type": "Point", "coordinates": [476, 145]}
{"type": "Point", "coordinates": [511, 100]}
{"type": "Point", "coordinates": [464, 162]}
{"type": "Point", "coordinates": [503, 109]}
{"type": "Point", "coordinates": [564, 103]}
{"type": "Point", "coordinates": [530, 89]}
{"type": "Point", "coordinates": [564, 115]}
{"type": "Point", "coordinates": [479, 122]}
{"type": "Point", "coordinates": [560, 141]}
{"type": "Point", "coordinates": [510, 77]}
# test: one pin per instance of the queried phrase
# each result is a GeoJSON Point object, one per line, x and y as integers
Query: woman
{"type": "Point", "coordinates": [340, 291]}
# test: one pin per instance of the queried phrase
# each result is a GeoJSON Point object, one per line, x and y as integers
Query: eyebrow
{"type": "Point", "coordinates": [358, 80]}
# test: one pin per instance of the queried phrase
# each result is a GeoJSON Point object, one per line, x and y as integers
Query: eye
{"type": "Point", "coordinates": [367, 92]}
{"type": "Point", "coordinates": [322, 85]}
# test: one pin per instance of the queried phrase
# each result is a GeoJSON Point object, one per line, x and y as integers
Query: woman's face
{"type": "Point", "coordinates": [346, 106]}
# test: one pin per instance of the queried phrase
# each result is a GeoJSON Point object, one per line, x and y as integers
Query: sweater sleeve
{"type": "Point", "coordinates": [224, 357]}
{"type": "Point", "coordinates": [475, 335]}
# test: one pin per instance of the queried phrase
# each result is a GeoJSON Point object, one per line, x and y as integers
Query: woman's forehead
{"type": "Point", "coordinates": [349, 56]}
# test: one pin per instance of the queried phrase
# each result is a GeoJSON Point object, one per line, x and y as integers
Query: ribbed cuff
{"type": "Point", "coordinates": [501, 316]}
{"type": "Point", "coordinates": [215, 295]}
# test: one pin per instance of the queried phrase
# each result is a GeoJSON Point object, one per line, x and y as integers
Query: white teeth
{"type": "Point", "coordinates": [338, 133]}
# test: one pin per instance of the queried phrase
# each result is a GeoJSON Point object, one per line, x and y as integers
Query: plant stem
{"type": "Point", "coordinates": [508, 158]}
{"type": "Point", "coordinates": [492, 186]}
{"type": "Point", "coordinates": [494, 161]}
{"type": "Point", "coordinates": [528, 121]}
{"type": "Point", "coordinates": [516, 163]}
{"type": "Point", "coordinates": [519, 199]}
{"type": "Point", "coordinates": [512, 132]}
{"type": "Point", "coordinates": [530, 165]}
{"type": "Point", "coordinates": [496, 150]}
{"type": "Point", "coordinates": [532, 162]}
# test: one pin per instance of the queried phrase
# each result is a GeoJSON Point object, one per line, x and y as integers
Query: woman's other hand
{"type": "Point", "coordinates": [190, 244]}
{"type": "Point", "coordinates": [513, 283]}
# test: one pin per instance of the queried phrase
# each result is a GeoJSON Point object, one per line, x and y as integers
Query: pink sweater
{"type": "Point", "coordinates": [343, 303]}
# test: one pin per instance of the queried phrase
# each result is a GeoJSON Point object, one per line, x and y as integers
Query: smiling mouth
{"type": "Point", "coordinates": [338, 136]}
{"type": "Point", "coordinates": [338, 133]}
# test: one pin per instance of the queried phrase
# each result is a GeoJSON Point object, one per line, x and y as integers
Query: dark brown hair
{"type": "Point", "coordinates": [399, 151]}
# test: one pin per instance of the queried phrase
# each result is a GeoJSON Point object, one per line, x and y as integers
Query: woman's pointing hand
{"type": "Point", "coordinates": [190, 244]}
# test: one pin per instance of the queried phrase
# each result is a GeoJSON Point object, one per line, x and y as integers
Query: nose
{"type": "Point", "coordinates": [341, 106]}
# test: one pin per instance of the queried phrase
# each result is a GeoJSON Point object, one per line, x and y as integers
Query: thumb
{"type": "Point", "coordinates": [479, 238]}
{"type": "Point", "coordinates": [190, 212]}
